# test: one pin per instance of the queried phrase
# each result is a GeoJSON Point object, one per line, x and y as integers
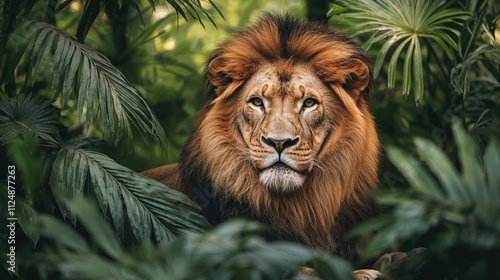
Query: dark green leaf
{"type": "Point", "coordinates": [152, 210]}
{"type": "Point", "coordinates": [63, 234]}
{"type": "Point", "coordinates": [444, 170]}
{"type": "Point", "coordinates": [97, 226]}
{"type": "Point", "coordinates": [28, 116]}
{"type": "Point", "coordinates": [120, 105]}
{"type": "Point", "coordinates": [414, 173]}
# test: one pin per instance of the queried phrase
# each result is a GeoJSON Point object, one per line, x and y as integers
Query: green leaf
{"type": "Point", "coordinates": [82, 71]}
{"type": "Point", "coordinates": [28, 219]}
{"type": "Point", "coordinates": [492, 163]}
{"type": "Point", "coordinates": [414, 173]}
{"type": "Point", "coordinates": [406, 20]}
{"type": "Point", "coordinates": [473, 174]}
{"type": "Point", "coordinates": [407, 77]}
{"type": "Point", "coordinates": [193, 8]}
{"type": "Point", "coordinates": [84, 266]}
{"type": "Point", "coordinates": [418, 73]}
{"type": "Point", "coordinates": [213, 255]}
{"type": "Point", "coordinates": [391, 71]}
{"type": "Point", "coordinates": [90, 13]}
{"type": "Point", "coordinates": [98, 228]}
{"type": "Point", "coordinates": [152, 210]}
{"type": "Point", "coordinates": [63, 234]}
{"type": "Point", "coordinates": [446, 173]}
{"type": "Point", "coordinates": [28, 116]}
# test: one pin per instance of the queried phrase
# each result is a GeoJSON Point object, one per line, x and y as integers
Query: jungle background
{"type": "Point", "coordinates": [94, 91]}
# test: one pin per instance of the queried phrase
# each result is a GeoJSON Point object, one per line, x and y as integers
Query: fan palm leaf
{"type": "Point", "coordinates": [405, 25]}
{"type": "Point", "coordinates": [29, 116]}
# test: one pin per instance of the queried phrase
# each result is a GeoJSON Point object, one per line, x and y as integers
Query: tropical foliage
{"type": "Point", "coordinates": [456, 216]}
{"type": "Point", "coordinates": [230, 251]}
{"type": "Point", "coordinates": [443, 52]}
{"type": "Point", "coordinates": [81, 79]}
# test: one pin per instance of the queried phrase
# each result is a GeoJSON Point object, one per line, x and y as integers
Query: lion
{"type": "Point", "coordinates": [286, 136]}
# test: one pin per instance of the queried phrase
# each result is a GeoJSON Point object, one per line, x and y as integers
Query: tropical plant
{"type": "Point", "coordinates": [445, 53]}
{"type": "Point", "coordinates": [230, 251]}
{"type": "Point", "coordinates": [456, 217]}
{"type": "Point", "coordinates": [50, 162]}
{"type": "Point", "coordinates": [418, 27]}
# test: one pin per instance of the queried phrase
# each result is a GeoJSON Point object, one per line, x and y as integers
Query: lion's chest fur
{"type": "Point", "coordinates": [286, 224]}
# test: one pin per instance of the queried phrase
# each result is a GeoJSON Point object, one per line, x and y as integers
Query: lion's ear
{"type": "Point", "coordinates": [353, 75]}
{"type": "Point", "coordinates": [224, 71]}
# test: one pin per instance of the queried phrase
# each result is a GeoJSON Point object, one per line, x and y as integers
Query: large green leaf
{"type": "Point", "coordinates": [99, 86]}
{"type": "Point", "coordinates": [29, 116]}
{"type": "Point", "coordinates": [444, 170]}
{"type": "Point", "coordinates": [151, 209]}
{"type": "Point", "coordinates": [414, 173]}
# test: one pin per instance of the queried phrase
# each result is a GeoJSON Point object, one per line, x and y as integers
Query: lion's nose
{"type": "Point", "coordinates": [280, 144]}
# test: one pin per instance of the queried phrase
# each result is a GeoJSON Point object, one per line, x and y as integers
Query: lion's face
{"type": "Point", "coordinates": [286, 135]}
{"type": "Point", "coordinates": [284, 123]}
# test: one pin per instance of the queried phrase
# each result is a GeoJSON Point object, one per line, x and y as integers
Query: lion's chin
{"type": "Point", "coordinates": [281, 179]}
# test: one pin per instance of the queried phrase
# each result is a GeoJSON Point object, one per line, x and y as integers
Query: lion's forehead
{"type": "Point", "coordinates": [293, 82]}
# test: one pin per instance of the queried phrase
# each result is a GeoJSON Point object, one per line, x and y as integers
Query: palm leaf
{"type": "Point", "coordinates": [97, 83]}
{"type": "Point", "coordinates": [29, 116]}
{"type": "Point", "coordinates": [151, 209]}
{"type": "Point", "coordinates": [401, 22]}
{"type": "Point", "coordinates": [460, 77]}
{"type": "Point", "coordinates": [193, 9]}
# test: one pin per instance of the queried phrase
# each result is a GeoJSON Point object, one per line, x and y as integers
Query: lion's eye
{"type": "Point", "coordinates": [257, 101]}
{"type": "Point", "coordinates": [309, 102]}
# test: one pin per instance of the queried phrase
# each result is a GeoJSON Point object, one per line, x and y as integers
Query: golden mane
{"type": "Point", "coordinates": [217, 174]}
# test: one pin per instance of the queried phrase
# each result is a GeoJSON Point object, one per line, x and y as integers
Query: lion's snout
{"type": "Point", "coordinates": [279, 144]}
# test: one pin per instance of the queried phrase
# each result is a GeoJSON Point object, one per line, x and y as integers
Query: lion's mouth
{"type": "Point", "coordinates": [278, 166]}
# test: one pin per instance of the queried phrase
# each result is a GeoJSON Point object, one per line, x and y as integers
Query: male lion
{"type": "Point", "coordinates": [286, 136]}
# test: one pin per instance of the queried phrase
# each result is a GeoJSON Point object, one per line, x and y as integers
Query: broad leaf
{"type": "Point", "coordinates": [230, 251]}
{"type": "Point", "coordinates": [446, 173]}
{"type": "Point", "coordinates": [414, 173]}
{"type": "Point", "coordinates": [461, 212]}
{"type": "Point", "coordinates": [63, 233]}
